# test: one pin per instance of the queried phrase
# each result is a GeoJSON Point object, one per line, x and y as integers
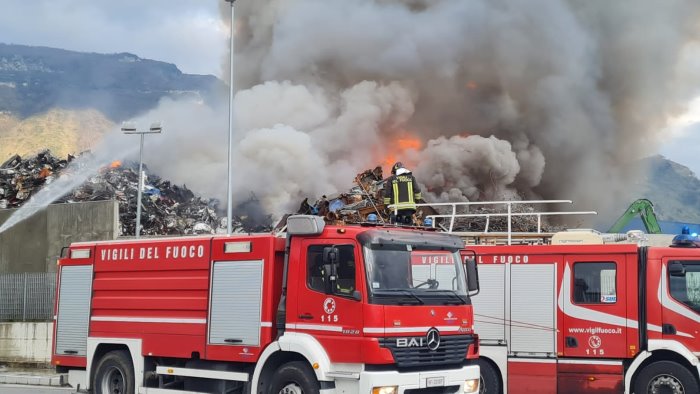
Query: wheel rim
{"type": "Point", "coordinates": [291, 388]}
{"type": "Point", "coordinates": [113, 381]}
{"type": "Point", "coordinates": [665, 384]}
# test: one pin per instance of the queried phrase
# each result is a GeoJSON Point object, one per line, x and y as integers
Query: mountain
{"type": "Point", "coordinates": [62, 131]}
{"type": "Point", "coordinates": [34, 80]}
{"type": "Point", "coordinates": [673, 189]}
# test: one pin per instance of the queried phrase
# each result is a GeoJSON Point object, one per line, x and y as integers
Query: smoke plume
{"type": "Point", "coordinates": [484, 99]}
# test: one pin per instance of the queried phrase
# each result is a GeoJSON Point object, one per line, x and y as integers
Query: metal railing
{"type": "Point", "coordinates": [27, 296]}
{"type": "Point", "coordinates": [509, 214]}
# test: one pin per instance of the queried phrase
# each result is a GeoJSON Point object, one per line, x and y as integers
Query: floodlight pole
{"type": "Point", "coordinates": [140, 190]}
{"type": "Point", "coordinates": [128, 129]}
{"type": "Point", "coordinates": [229, 191]}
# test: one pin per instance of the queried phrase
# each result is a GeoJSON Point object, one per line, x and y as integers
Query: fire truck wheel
{"type": "Point", "coordinates": [665, 377]}
{"type": "Point", "coordinates": [114, 374]}
{"type": "Point", "coordinates": [295, 377]}
{"type": "Point", "coordinates": [489, 382]}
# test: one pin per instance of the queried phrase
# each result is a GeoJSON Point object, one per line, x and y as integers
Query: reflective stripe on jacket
{"type": "Point", "coordinates": [402, 191]}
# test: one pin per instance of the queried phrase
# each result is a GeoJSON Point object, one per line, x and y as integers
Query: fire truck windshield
{"type": "Point", "coordinates": [405, 274]}
{"type": "Point", "coordinates": [420, 272]}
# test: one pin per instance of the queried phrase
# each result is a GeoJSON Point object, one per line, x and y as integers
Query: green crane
{"type": "Point", "coordinates": [645, 209]}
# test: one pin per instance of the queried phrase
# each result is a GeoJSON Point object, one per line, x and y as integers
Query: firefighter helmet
{"type": "Point", "coordinates": [396, 167]}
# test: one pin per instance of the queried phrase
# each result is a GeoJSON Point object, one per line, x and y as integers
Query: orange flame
{"type": "Point", "coordinates": [44, 172]}
{"type": "Point", "coordinates": [398, 148]}
{"type": "Point", "coordinates": [409, 143]}
{"type": "Point", "coordinates": [389, 161]}
{"type": "Point", "coordinates": [115, 164]}
{"type": "Point", "coordinates": [471, 85]}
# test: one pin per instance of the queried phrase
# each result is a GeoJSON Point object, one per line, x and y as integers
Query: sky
{"type": "Point", "coordinates": [190, 34]}
{"type": "Point", "coordinates": [683, 142]}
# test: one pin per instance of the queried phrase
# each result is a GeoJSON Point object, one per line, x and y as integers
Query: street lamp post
{"type": "Point", "coordinates": [131, 129]}
{"type": "Point", "coordinates": [229, 191]}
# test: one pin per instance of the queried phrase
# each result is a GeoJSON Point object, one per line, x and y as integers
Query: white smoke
{"type": "Point", "coordinates": [291, 141]}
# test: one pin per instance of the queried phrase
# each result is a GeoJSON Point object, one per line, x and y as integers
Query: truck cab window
{"type": "Point", "coordinates": [345, 270]}
{"type": "Point", "coordinates": [595, 283]}
{"type": "Point", "coordinates": [686, 288]}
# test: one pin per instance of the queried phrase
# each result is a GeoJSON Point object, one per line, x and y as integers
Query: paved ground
{"type": "Point", "coordinates": [31, 377]}
{"type": "Point", "coordinates": [23, 389]}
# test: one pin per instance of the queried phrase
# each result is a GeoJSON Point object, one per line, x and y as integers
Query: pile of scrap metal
{"type": "Point", "coordinates": [167, 209]}
{"type": "Point", "coordinates": [354, 206]}
{"type": "Point", "coordinates": [366, 198]}
{"type": "Point", "coordinates": [491, 218]}
{"type": "Point", "coordinates": [19, 179]}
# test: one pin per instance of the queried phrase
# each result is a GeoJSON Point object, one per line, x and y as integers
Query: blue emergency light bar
{"type": "Point", "coordinates": [686, 240]}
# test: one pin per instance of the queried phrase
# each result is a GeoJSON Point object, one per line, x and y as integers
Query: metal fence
{"type": "Point", "coordinates": [27, 296]}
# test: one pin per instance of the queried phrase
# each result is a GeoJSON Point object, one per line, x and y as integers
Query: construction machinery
{"type": "Point", "coordinates": [645, 209]}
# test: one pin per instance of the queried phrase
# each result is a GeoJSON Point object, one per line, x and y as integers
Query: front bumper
{"type": "Point", "coordinates": [417, 380]}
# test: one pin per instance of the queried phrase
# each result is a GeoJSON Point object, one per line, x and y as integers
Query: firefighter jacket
{"type": "Point", "coordinates": [402, 191]}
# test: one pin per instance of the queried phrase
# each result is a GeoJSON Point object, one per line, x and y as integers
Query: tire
{"type": "Point", "coordinates": [668, 376]}
{"type": "Point", "coordinates": [114, 374]}
{"type": "Point", "coordinates": [295, 377]}
{"type": "Point", "coordinates": [489, 382]}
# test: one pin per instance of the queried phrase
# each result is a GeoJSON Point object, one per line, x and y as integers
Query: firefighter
{"type": "Point", "coordinates": [401, 191]}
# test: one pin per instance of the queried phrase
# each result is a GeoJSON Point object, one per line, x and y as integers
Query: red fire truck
{"type": "Point", "coordinates": [571, 317]}
{"type": "Point", "coordinates": [320, 309]}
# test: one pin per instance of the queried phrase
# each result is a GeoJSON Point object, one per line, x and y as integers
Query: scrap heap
{"type": "Point", "coordinates": [19, 179]}
{"type": "Point", "coordinates": [172, 210]}
{"type": "Point", "coordinates": [354, 206]}
{"type": "Point", "coordinates": [366, 197]}
{"type": "Point", "coordinates": [167, 209]}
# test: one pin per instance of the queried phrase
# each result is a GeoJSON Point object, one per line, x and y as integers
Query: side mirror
{"type": "Point", "coordinates": [330, 255]}
{"type": "Point", "coordinates": [356, 295]}
{"type": "Point", "coordinates": [330, 267]}
{"type": "Point", "coordinates": [676, 268]}
{"type": "Point", "coordinates": [472, 275]}
{"type": "Point", "coordinates": [329, 278]}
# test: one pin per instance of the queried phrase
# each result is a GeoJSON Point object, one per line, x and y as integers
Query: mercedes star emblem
{"type": "Point", "coordinates": [433, 339]}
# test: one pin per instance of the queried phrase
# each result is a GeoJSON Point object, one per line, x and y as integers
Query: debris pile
{"type": "Point", "coordinates": [166, 209]}
{"type": "Point", "coordinates": [356, 204]}
{"type": "Point", "coordinates": [174, 210]}
{"type": "Point", "coordinates": [366, 197]}
{"type": "Point", "coordinates": [19, 179]}
{"type": "Point", "coordinates": [492, 218]}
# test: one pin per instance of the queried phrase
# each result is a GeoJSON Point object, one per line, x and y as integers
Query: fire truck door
{"type": "Point", "coordinates": [681, 301]}
{"type": "Point", "coordinates": [592, 299]}
{"type": "Point", "coordinates": [328, 308]}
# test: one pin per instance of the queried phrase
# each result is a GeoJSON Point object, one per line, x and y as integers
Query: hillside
{"type": "Point", "coordinates": [673, 188]}
{"type": "Point", "coordinates": [64, 132]}
{"type": "Point", "coordinates": [36, 79]}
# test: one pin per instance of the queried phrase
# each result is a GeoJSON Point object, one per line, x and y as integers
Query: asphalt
{"type": "Point", "coordinates": [33, 377]}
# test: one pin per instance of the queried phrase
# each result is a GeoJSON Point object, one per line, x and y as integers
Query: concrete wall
{"type": "Point", "coordinates": [23, 248]}
{"type": "Point", "coordinates": [34, 244]}
{"type": "Point", "coordinates": [26, 342]}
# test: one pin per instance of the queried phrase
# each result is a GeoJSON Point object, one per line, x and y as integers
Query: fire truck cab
{"type": "Point", "coordinates": [582, 317]}
{"type": "Point", "coordinates": [318, 309]}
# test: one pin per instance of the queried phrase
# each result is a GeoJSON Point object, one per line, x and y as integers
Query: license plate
{"type": "Point", "coordinates": [435, 382]}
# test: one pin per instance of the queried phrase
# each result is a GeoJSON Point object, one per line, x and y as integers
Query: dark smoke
{"type": "Point", "coordinates": [511, 98]}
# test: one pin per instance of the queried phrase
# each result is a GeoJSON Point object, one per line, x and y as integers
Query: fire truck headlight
{"type": "Point", "coordinates": [471, 386]}
{"type": "Point", "coordinates": [385, 390]}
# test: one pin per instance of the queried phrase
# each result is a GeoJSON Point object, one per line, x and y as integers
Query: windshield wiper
{"type": "Point", "coordinates": [450, 292]}
{"type": "Point", "coordinates": [402, 291]}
